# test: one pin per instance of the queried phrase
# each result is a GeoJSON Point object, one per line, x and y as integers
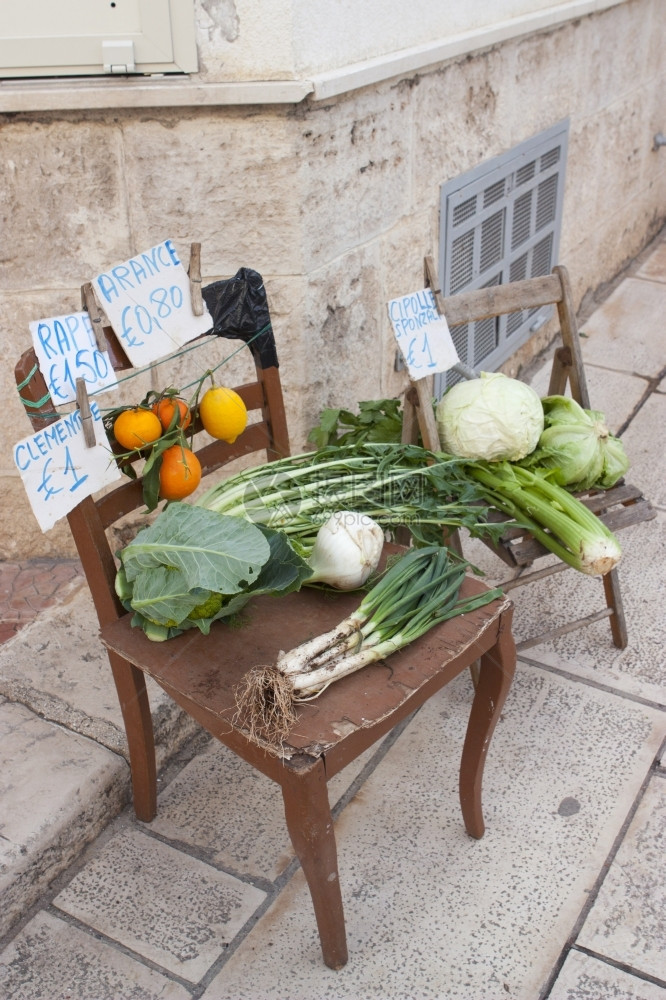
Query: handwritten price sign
{"type": "Point", "coordinates": [422, 333]}
{"type": "Point", "coordinates": [147, 300]}
{"type": "Point", "coordinates": [66, 349]}
{"type": "Point", "coordinates": [58, 469]}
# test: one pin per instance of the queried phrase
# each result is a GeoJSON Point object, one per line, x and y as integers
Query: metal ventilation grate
{"type": "Point", "coordinates": [501, 222]}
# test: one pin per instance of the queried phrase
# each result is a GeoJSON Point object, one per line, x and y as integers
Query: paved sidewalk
{"type": "Point", "coordinates": [564, 898]}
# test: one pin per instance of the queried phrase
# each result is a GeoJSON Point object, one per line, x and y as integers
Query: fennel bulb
{"type": "Point", "coordinates": [491, 418]}
{"type": "Point", "coordinates": [346, 550]}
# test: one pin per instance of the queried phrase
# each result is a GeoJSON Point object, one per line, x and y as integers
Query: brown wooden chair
{"type": "Point", "coordinates": [201, 672]}
{"type": "Point", "coordinates": [619, 507]}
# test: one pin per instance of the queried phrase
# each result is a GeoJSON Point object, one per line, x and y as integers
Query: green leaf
{"type": "Point", "coordinates": [213, 551]}
{"type": "Point", "coordinates": [283, 573]}
{"type": "Point", "coordinates": [162, 595]}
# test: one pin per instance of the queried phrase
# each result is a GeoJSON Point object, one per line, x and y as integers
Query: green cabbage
{"type": "Point", "coordinates": [578, 447]}
{"type": "Point", "coordinates": [193, 566]}
{"type": "Point", "coordinates": [491, 418]}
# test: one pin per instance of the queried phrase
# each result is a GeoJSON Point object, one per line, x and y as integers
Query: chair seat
{"type": "Point", "coordinates": [204, 671]}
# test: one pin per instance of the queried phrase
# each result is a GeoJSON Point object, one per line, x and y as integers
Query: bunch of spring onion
{"type": "Point", "coordinates": [391, 483]}
{"type": "Point", "coordinates": [557, 519]}
{"type": "Point", "coordinates": [420, 590]}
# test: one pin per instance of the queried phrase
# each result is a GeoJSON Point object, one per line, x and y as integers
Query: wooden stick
{"type": "Point", "coordinates": [194, 272]}
{"type": "Point", "coordinates": [89, 303]}
{"type": "Point", "coordinates": [83, 404]}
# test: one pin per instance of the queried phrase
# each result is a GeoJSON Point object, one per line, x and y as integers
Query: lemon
{"type": "Point", "coordinates": [223, 413]}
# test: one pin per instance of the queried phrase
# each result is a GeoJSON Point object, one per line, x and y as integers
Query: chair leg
{"type": "Point", "coordinates": [614, 600]}
{"type": "Point", "coordinates": [135, 707]}
{"type": "Point", "coordinates": [496, 671]}
{"type": "Point", "coordinates": [310, 826]}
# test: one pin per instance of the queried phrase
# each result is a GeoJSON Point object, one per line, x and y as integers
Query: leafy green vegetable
{"type": "Point", "coordinates": [556, 518]}
{"type": "Point", "coordinates": [577, 445]}
{"type": "Point", "coordinates": [214, 553]}
{"type": "Point", "coordinates": [393, 484]}
{"type": "Point", "coordinates": [376, 420]}
{"type": "Point", "coordinates": [192, 567]}
{"type": "Point", "coordinates": [491, 418]}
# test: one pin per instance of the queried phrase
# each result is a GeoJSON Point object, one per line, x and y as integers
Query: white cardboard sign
{"type": "Point", "coordinates": [148, 303]}
{"type": "Point", "coordinates": [66, 350]}
{"type": "Point", "coordinates": [58, 469]}
{"type": "Point", "coordinates": [422, 333]}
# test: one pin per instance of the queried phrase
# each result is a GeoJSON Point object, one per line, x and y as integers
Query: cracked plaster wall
{"type": "Point", "coordinates": [334, 202]}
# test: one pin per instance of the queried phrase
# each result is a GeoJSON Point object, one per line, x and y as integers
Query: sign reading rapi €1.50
{"type": "Point", "coordinates": [147, 301]}
{"type": "Point", "coordinates": [66, 350]}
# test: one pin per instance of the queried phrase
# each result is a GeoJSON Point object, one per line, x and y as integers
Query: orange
{"type": "Point", "coordinates": [136, 427]}
{"type": "Point", "coordinates": [180, 472]}
{"type": "Point", "coordinates": [223, 413]}
{"type": "Point", "coordinates": [165, 409]}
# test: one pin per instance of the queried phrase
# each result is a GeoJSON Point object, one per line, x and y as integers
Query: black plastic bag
{"type": "Point", "coordinates": [239, 309]}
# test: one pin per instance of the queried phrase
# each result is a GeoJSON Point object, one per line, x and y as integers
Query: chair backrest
{"type": "Point", "coordinates": [89, 520]}
{"type": "Point", "coordinates": [532, 293]}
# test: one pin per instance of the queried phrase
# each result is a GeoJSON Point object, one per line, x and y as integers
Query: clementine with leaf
{"type": "Point", "coordinates": [136, 427]}
{"type": "Point", "coordinates": [180, 472]}
{"type": "Point", "coordinates": [165, 409]}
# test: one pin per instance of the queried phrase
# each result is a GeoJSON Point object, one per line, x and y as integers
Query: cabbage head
{"type": "Point", "coordinates": [494, 418]}
{"type": "Point", "coordinates": [578, 447]}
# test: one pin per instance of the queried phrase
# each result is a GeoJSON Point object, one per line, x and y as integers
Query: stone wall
{"type": "Point", "coordinates": [334, 202]}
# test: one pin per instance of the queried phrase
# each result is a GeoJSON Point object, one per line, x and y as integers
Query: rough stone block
{"type": "Point", "coordinates": [58, 791]}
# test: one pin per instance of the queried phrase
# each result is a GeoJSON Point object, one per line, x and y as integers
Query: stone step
{"type": "Point", "coordinates": [64, 773]}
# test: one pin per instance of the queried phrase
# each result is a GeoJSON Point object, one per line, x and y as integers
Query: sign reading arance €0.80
{"type": "Point", "coordinates": [147, 301]}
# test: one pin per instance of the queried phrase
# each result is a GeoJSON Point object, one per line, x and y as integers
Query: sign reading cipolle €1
{"type": "Point", "coordinates": [148, 303]}
{"type": "Point", "coordinates": [422, 333]}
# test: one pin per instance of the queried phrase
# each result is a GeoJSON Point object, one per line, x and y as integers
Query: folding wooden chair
{"type": "Point", "coordinates": [619, 507]}
{"type": "Point", "coordinates": [201, 673]}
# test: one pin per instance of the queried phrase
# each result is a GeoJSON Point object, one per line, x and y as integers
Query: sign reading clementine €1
{"type": "Point", "coordinates": [147, 301]}
{"type": "Point", "coordinates": [59, 470]}
{"type": "Point", "coordinates": [422, 333]}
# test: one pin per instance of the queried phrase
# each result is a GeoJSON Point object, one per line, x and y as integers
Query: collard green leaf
{"type": "Point", "coordinates": [213, 551]}
{"type": "Point", "coordinates": [162, 595]}
{"type": "Point", "coordinates": [283, 573]}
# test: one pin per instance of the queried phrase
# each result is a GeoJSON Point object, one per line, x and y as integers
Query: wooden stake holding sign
{"type": "Point", "coordinates": [426, 345]}
{"type": "Point", "coordinates": [194, 274]}
{"type": "Point", "coordinates": [427, 349]}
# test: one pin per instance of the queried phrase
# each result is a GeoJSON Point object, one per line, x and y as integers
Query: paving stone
{"type": "Point", "coordinates": [642, 447]}
{"type": "Point", "coordinates": [168, 907]}
{"type": "Point", "coordinates": [27, 587]}
{"type": "Point", "coordinates": [58, 790]}
{"type": "Point", "coordinates": [432, 913]}
{"type": "Point", "coordinates": [52, 960]}
{"type": "Point", "coordinates": [586, 978]}
{"type": "Point", "coordinates": [623, 333]}
{"type": "Point", "coordinates": [654, 268]}
{"type": "Point", "coordinates": [589, 652]}
{"type": "Point", "coordinates": [628, 920]}
{"type": "Point", "coordinates": [226, 808]}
